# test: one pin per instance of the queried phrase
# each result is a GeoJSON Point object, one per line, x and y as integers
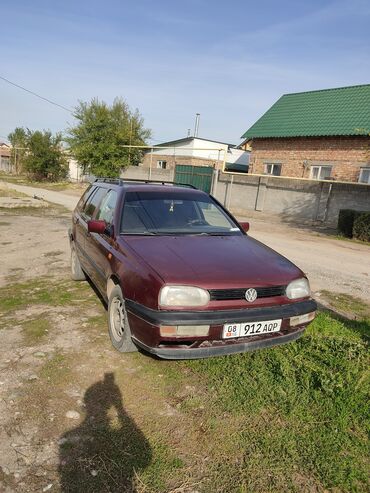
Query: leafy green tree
{"type": "Point", "coordinates": [18, 140]}
{"type": "Point", "coordinates": [45, 158]}
{"type": "Point", "coordinates": [97, 141]}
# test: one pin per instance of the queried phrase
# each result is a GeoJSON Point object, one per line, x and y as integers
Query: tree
{"type": "Point", "coordinates": [45, 158]}
{"type": "Point", "coordinates": [97, 141]}
{"type": "Point", "coordinates": [18, 140]}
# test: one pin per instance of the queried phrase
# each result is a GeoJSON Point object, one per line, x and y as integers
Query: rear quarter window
{"type": "Point", "coordinates": [90, 189]}
{"type": "Point", "coordinates": [93, 202]}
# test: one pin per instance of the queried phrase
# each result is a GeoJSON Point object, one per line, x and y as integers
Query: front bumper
{"type": "Point", "coordinates": [220, 350]}
{"type": "Point", "coordinates": [218, 347]}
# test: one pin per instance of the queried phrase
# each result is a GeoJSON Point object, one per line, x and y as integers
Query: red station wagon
{"type": "Point", "coordinates": [181, 277]}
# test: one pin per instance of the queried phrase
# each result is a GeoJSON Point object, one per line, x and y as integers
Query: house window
{"type": "Point", "coordinates": [321, 172]}
{"type": "Point", "coordinates": [273, 169]}
{"type": "Point", "coordinates": [162, 164]}
{"type": "Point", "coordinates": [364, 175]}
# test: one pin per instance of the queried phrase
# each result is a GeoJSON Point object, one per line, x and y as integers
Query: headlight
{"type": "Point", "coordinates": [183, 296]}
{"type": "Point", "coordinates": [299, 288]}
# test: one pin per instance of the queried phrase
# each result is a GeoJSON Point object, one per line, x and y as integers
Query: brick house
{"type": "Point", "coordinates": [320, 135]}
{"type": "Point", "coordinates": [196, 151]}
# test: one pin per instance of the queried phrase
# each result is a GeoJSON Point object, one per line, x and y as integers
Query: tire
{"type": "Point", "coordinates": [119, 328]}
{"type": "Point", "coordinates": [77, 273]}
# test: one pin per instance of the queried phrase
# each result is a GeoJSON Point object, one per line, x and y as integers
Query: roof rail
{"type": "Point", "coordinates": [121, 182]}
{"type": "Point", "coordinates": [117, 181]}
{"type": "Point", "coordinates": [160, 182]}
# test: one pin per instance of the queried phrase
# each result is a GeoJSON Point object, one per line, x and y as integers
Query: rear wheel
{"type": "Point", "coordinates": [119, 329]}
{"type": "Point", "coordinates": [77, 273]}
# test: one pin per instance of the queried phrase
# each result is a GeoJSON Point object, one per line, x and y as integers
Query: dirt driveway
{"type": "Point", "coordinates": [331, 264]}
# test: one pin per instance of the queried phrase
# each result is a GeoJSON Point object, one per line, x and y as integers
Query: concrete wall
{"type": "Point", "coordinates": [143, 173]}
{"type": "Point", "coordinates": [294, 200]}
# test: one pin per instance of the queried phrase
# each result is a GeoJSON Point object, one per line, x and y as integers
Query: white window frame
{"type": "Point", "coordinates": [362, 170]}
{"type": "Point", "coordinates": [160, 164]}
{"type": "Point", "coordinates": [271, 173]}
{"type": "Point", "coordinates": [320, 167]}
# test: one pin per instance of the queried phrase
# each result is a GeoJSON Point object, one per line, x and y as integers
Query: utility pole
{"type": "Point", "coordinates": [129, 149]}
{"type": "Point", "coordinates": [196, 127]}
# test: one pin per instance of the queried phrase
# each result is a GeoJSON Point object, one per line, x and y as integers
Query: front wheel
{"type": "Point", "coordinates": [119, 329]}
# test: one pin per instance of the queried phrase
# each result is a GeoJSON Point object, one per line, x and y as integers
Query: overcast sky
{"type": "Point", "coordinates": [228, 60]}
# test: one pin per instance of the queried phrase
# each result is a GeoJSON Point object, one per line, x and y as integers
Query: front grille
{"type": "Point", "coordinates": [239, 294]}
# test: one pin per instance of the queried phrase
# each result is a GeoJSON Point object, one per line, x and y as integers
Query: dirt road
{"type": "Point", "coordinates": [331, 264]}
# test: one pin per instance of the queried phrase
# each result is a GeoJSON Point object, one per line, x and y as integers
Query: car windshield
{"type": "Point", "coordinates": [173, 213]}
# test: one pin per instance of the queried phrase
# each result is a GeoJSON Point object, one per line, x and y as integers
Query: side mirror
{"type": "Point", "coordinates": [244, 226]}
{"type": "Point", "coordinates": [96, 227]}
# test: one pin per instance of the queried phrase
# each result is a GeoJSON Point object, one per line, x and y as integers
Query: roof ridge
{"type": "Point", "coordinates": [324, 90]}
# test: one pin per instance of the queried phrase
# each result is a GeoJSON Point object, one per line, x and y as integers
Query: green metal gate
{"type": "Point", "coordinates": [199, 176]}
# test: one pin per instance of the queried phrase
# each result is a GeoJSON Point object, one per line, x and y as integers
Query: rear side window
{"type": "Point", "coordinates": [93, 202]}
{"type": "Point", "coordinates": [90, 189]}
{"type": "Point", "coordinates": [107, 206]}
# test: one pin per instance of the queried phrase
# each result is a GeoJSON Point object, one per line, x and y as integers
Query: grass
{"type": "Point", "coordinates": [347, 303]}
{"type": "Point", "coordinates": [35, 329]}
{"type": "Point", "coordinates": [56, 370]}
{"type": "Point", "coordinates": [8, 192]}
{"type": "Point", "coordinates": [43, 291]}
{"type": "Point", "coordinates": [47, 210]}
{"type": "Point", "coordinates": [301, 410]}
{"type": "Point", "coordinates": [57, 186]}
{"type": "Point", "coordinates": [352, 240]}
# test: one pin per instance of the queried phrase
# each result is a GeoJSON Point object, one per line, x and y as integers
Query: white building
{"type": "Point", "coordinates": [197, 152]}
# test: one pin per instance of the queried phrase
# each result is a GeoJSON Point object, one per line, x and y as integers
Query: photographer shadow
{"type": "Point", "coordinates": [105, 452]}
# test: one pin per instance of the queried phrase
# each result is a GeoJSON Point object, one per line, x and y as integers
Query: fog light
{"type": "Point", "coordinates": [302, 319]}
{"type": "Point", "coordinates": [184, 330]}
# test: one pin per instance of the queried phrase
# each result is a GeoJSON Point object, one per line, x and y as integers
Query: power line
{"type": "Point", "coordinates": [37, 95]}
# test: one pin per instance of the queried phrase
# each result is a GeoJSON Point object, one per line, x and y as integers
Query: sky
{"type": "Point", "coordinates": [227, 60]}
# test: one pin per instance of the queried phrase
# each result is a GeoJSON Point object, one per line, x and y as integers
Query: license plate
{"type": "Point", "coordinates": [250, 329]}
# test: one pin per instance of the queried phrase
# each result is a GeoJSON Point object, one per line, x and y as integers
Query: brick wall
{"type": "Point", "coordinates": [171, 161]}
{"type": "Point", "coordinates": [346, 155]}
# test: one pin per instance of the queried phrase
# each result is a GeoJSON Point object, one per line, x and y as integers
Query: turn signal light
{"type": "Point", "coordinates": [302, 319]}
{"type": "Point", "coordinates": [184, 330]}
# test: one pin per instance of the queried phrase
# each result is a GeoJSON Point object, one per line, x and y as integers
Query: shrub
{"type": "Point", "coordinates": [345, 222]}
{"type": "Point", "coordinates": [361, 226]}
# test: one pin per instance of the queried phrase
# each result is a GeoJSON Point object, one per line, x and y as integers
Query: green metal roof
{"type": "Point", "coordinates": [341, 111]}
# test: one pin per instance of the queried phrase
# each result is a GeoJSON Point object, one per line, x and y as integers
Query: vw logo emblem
{"type": "Point", "coordinates": [250, 294]}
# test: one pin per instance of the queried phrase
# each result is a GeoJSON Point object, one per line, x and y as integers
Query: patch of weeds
{"type": "Point", "coordinates": [47, 211]}
{"type": "Point", "coordinates": [162, 470]}
{"type": "Point", "coordinates": [351, 240]}
{"type": "Point", "coordinates": [347, 303]}
{"type": "Point", "coordinates": [8, 192]}
{"type": "Point", "coordinates": [305, 410]}
{"type": "Point", "coordinates": [56, 370]}
{"type": "Point", "coordinates": [4, 223]}
{"type": "Point", "coordinates": [42, 291]}
{"type": "Point", "coordinates": [35, 329]}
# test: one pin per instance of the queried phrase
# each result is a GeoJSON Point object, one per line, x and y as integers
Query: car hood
{"type": "Point", "coordinates": [213, 261]}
